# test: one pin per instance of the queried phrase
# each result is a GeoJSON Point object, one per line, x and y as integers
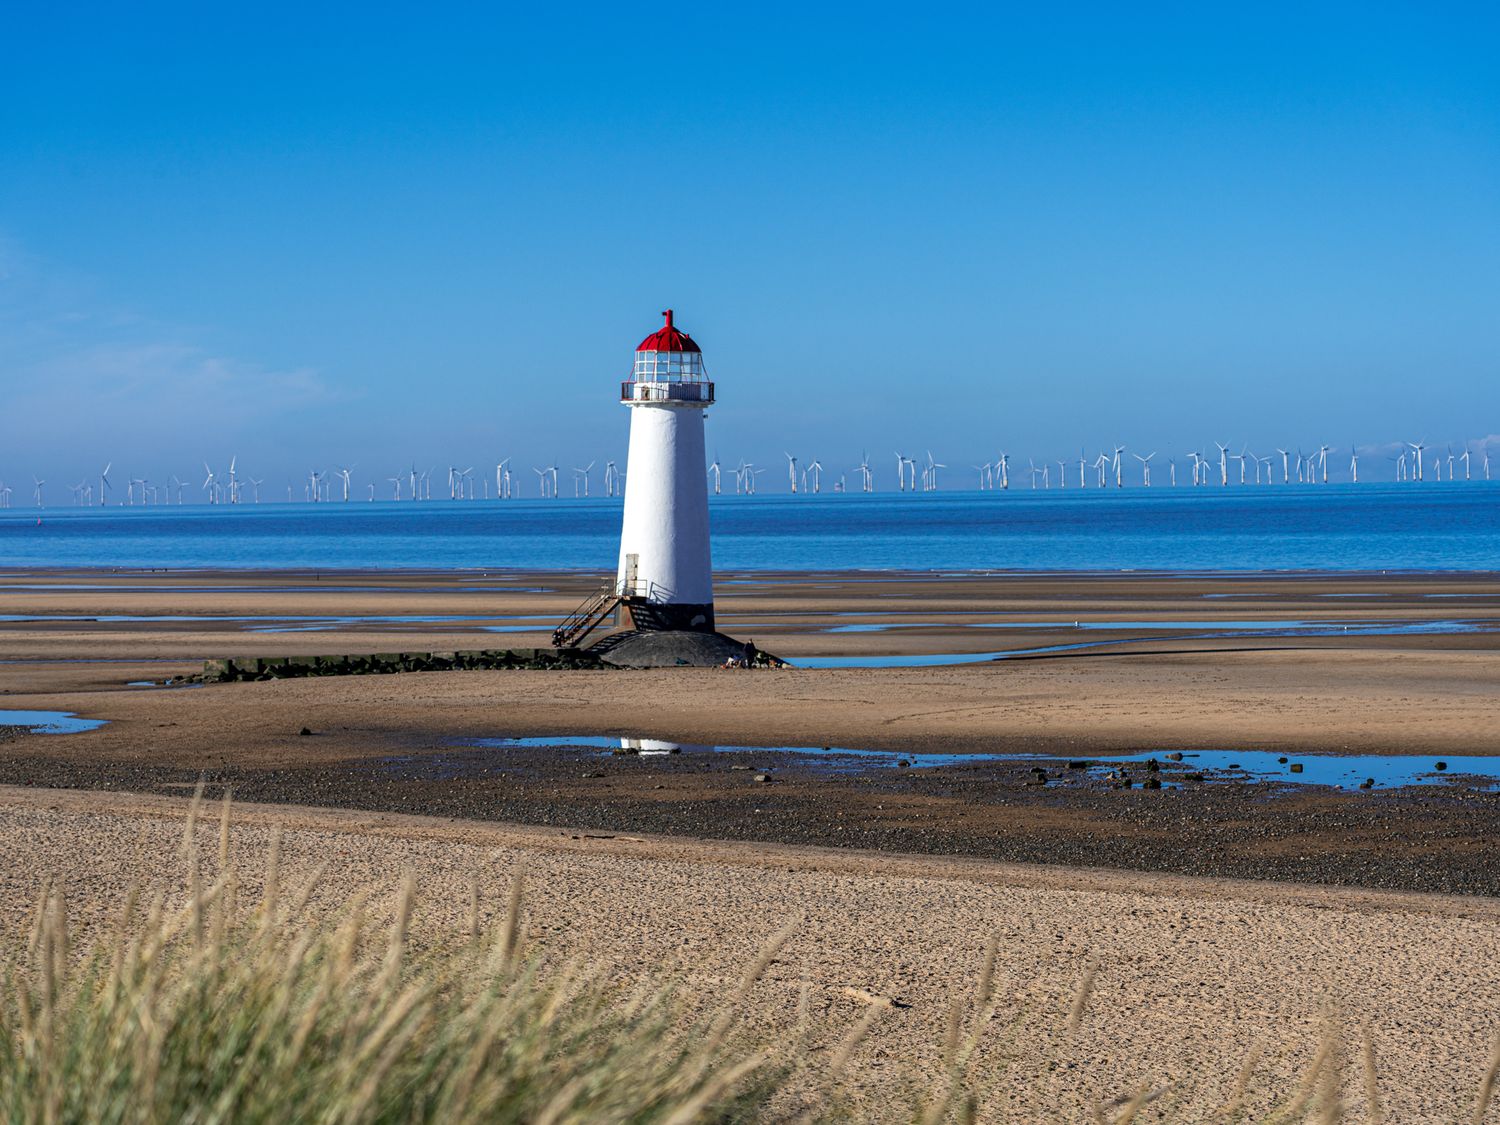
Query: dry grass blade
{"type": "Point", "coordinates": [1486, 1092]}
{"type": "Point", "coordinates": [1236, 1100]}
{"type": "Point", "coordinates": [1081, 997]}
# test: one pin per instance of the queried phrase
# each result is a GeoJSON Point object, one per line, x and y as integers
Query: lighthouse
{"type": "Point", "coordinates": [665, 577]}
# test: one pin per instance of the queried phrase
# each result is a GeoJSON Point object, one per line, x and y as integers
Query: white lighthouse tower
{"type": "Point", "coordinates": [665, 579]}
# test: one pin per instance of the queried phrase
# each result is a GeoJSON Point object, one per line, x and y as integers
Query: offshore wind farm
{"type": "Point", "coordinates": [1399, 462]}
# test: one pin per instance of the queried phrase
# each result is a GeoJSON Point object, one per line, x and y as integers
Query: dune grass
{"type": "Point", "coordinates": [213, 1010]}
{"type": "Point", "coordinates": [207, 1012]}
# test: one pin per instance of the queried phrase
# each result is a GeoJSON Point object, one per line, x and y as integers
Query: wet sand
{"type": "Point", "coordinates": [1192, 680]}
{"type": "Point", "coordinates": [1192, 974]}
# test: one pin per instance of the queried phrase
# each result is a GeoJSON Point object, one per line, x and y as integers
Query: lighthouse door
{"type": "Point", "coordinates": [632, 564]}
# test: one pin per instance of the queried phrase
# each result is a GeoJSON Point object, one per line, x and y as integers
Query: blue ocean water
{"type": "Point", "coordinates": [1281, 527]}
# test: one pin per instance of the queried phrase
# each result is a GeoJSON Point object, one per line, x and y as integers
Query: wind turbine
{"type": "Point", "coordinates": [611, 478]}
{"type": "Point", "coordinates": [104, 482]}
{"type": "Point", "coordinates": [37, 493]}
{"type": "Point", "coordinates": [1145, 467]}
{"type": "Point", "coordinates": [343, 474]}
{"type": "Point", "coordinates": [1223, 464]}
{"type": "Point", "coordinates": [717, 472]}
{"type": "Point", "coordinates": [210, 484]}
{"type": "Point", "coordinates": [541, 479]}
{"type": "Point", "coordinates": [816, 471]}
{"type": "Point", "coordinates": [1004, 471]}
{"type": "Point", "coordinates": [791, 468]}
{"type": "Point", "coordinates": [1418, 447]}
{"type": "Point", "coordinates": [1353, 464]}
{"type": "Point", "coordinates": [1118, 467]}
{"type": "Point", "coordinates": [900, 471]}
{"type": "Point", "coordinates": [931, 473]}
{"type": "Point", "coordinates": [1323, 452]}
{"type": "Point", "coordinates": [1101, 463]}
{"type": "Point", "coordinates": [255, 484]}
{"type": "Point", "coordinates": [1286, 473]}
{"type": "Point", "coordinates": [584, 473]}
{"type": "Point", "coordinates": [395, 487]}
{"type": "Point", "coordinates": [1464, 457]}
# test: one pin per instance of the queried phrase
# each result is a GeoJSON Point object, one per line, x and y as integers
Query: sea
{"type": "Point", "coordinates": [1337, 527]}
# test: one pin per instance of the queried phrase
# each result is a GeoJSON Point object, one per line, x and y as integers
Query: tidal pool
{"type": "Point", "coordinates": [49, 722]}
{"type": "Point", "coordinates": [1342, 771]}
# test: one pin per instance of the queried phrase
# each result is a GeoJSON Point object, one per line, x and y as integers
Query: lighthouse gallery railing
{"type": "Point", "coordinates": [632, 390]}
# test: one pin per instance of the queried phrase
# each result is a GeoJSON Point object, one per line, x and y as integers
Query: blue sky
{"type": "Point", "coordinates": [315, 235]}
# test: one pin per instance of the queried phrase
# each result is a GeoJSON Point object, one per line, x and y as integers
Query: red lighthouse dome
{"type": "Point", "coordinates": [668, 339]}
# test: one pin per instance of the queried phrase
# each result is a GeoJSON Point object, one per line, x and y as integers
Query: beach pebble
{"type": "Point", "coordinates": [762, 778]}
{"type": "Point", "coordinates": [1295, 767]}
{"type": "Point", "coordinates": [1174, 756]}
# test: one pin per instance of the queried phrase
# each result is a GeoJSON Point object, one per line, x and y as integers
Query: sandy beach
{"type": "Point", "coordinates": [1193, 975]}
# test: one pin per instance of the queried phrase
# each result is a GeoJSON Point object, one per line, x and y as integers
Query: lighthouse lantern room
{"type": "Point", "coordinates": [665, 577]}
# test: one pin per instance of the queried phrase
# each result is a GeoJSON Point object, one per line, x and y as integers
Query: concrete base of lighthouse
{"type": "Point", "coordinates": [680, 649]}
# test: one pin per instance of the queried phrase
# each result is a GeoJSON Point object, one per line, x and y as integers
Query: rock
{"type": "Point", "coordinates": [1174, 756]}
{"type": "Point", "coordinates": [1367, 783]}
{"type": "Point", "coordinates": [217, 671]}
{"type": "Point", "coordinates": [304, 732]}
{"type": "Point", "coordinates": [1078, 765]}
{"type": "Point", "coordinates": [871, 999]}
{"type": "Point", "coordinates": [1281, 761]}
{"type": "Point", "coordinates": [762, 778]}
{"type": "Point", "coordinates": [1295, 767]}
{"type": "Point", "coordinates": [1195, 777]}
{"type": "Point", "coordinates": [1153, 765]}
{"type": "Point", "coordinates": [1442, 765]}
{"type": "Point", "coordinates": [903, 764]}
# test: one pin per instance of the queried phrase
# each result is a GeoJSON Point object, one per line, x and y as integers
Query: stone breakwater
{"type": "Point", "coordinates": [380, 663]}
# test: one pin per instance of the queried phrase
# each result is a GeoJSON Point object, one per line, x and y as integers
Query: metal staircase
{"type": "Point", "coordinates": [586, 618]}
